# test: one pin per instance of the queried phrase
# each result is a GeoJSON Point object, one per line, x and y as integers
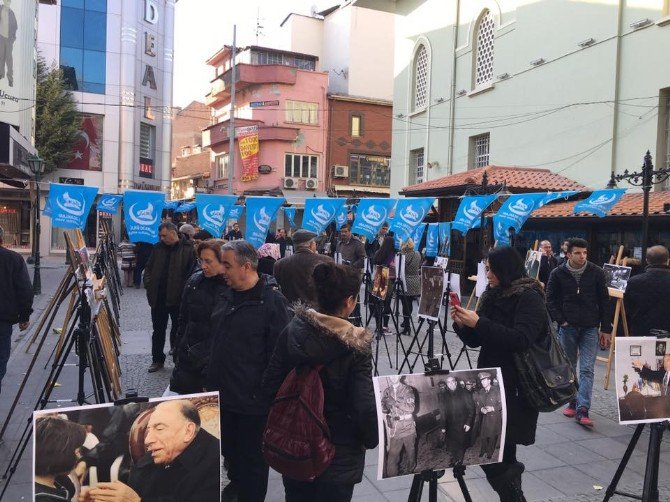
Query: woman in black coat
{"type": "Point", "coordinates": [511, 316]}
{"type": "Point", "coordinates": [195, 329]}
{"type": "Point", "coordinates": [327, 337]}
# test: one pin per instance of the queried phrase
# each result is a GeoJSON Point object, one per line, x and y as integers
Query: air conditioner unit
{"type": "Point", "coordinates": [310, 184]}
{"type": "Point", "coordinates": [340, 171]}
{"type": "Point", "coordinates": [290, 182]}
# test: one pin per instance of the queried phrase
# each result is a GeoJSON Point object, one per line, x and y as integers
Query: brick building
{"type": "Point", "coordinates": [191, 163]}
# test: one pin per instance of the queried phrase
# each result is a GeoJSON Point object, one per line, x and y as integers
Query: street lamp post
{"type": "Point", "coordinates": [485, 189]}
{"type": "Point", "coordinates": [37, 168]}
{"type": "Point", "coordinates": [646, 179]}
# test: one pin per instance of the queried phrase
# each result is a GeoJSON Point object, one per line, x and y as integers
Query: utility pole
{"type": "Point", "coordinates": [231, 124]}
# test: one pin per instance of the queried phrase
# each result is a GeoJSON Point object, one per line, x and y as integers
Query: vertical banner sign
{"type": "Point", "coordinates": [212, 210]}
{"type": "Point", "coordinates": [70, 205]}
{"type": "Point", "coordinates": [370, 216]}
{"type": "Point", "coordinates": [319, 212]}
{"type": "Point", "coordinates": [600, 202]}
{"type": "Point", "coordinates": [551, 196]}
{"type": "Point", "coordinates": [418, 235]}
{"type": "Point", "coordinates": [235, 212]}
{"type": "Point", "coordinates": [444, 230]}
{"type": "Point", "coordinates": [289, 212]}
{"type": "Point", "coordinates": [260, 211]}
{"type": "Point", "coordinates": [408, 214]}
{"type": "Point", "coordinates": [142, 213]}
{"type": "Point", "coordinates": [513, 214]}
{"type": "Point", "coordinates": [432, 239]}
{"type": "Point", "coordinates": [109, 203]}
{"type": "Point", "coordinates": [247, 138]}
{"type": "Point", "coordinates": [470, 210]}
{"type": "Point", "coordinates": [341, 217]}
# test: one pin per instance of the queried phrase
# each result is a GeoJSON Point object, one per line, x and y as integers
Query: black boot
{"type": "Point", "coordinates": [508, 484]}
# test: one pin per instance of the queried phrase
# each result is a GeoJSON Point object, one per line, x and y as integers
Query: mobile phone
{"type": "Point", "coordinates": [454, 299]}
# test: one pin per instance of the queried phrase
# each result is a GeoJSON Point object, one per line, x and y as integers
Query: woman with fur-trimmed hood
{"type": "Point", "coordinates": [327, 337]}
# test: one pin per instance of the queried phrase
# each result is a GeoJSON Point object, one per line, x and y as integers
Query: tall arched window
{"type": "Point", "coordinates": [484, 50]}
{"type": "Point", "coordinates": [420, 78]}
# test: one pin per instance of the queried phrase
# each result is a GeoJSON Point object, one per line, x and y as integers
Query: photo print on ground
{"type": "Point", "coordinates": [616, 276]}
{"type": "Point", "coordinates": [642, 372]}
{"type": "Point", "coordinates": [432, 422]}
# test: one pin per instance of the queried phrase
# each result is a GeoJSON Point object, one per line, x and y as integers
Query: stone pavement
{"type": "Point", "coordinates": [567, 463]}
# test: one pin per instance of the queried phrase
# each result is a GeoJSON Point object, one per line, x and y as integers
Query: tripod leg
{"type": "Point", "coordinates": [417, 489]}
{"type": "Point", "coordinates": [624, 461]}
{"type": "Point", "coordinates": [650, 489]}
{"type": "Point", "coordinates": [461, 483]}
{"type": "Point", "coordinates": [432, 488]}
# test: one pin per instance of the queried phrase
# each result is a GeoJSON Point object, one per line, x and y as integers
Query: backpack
{"type": "Point", "coordinates": [296, 440]}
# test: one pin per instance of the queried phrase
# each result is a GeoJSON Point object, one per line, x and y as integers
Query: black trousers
{"type": "Point", "coordinates": [159, 319]}
{"type": "Point", "coordinates": [497, 469]}
{"type": "Point", "coordinates": [241, 443]}
{"type": "Point", "coordinates": [305, 491]}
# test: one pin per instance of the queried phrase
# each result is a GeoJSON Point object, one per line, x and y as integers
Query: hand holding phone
{"type": "Point", "coordinates": [454, 299]}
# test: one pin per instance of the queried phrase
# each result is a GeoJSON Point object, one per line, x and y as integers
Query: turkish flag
{"type": "Point", "coordinates": [87, 150]}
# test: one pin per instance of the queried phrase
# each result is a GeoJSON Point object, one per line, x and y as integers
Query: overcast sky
{"type": "Point", "coordinates": [202, 27]}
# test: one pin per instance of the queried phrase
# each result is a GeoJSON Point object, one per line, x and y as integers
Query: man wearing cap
{"type": "Point", "coordinates": [457, 411]}
{"type": "Point", "coordinates": [294, 273]}
{"type": "Point", "coordinates": [398, 406]}
{"type": "Point", "coordinates": [489, 408]}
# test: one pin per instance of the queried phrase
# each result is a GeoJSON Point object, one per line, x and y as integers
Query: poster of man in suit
{"type": "Point", "coordinates": [8, 29]}
{"type": "Point", "coordinates": [533, 260]}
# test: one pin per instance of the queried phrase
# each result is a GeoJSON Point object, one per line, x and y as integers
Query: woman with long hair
{"type": "Point", "coordinates": [326, 337]}
{"type": "Point", "coordinates": [510, 318]}
{"type": "Point", "coordinates": [412, 283]}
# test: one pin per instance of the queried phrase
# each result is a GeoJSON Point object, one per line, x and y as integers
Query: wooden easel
{"type": "Point", "coordinates": [619, 313]}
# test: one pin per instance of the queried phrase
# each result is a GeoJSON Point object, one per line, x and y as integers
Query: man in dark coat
{"type": "Point", "coordinates": [647, 298]}
{"type": "Point", "coordinates": [373, 245]}
{"type": "Point", "coordinates": [16, 299]}
{"type": "Point", "coordinates": [578, 301]}
{"type": "Point", "coordinates": [548, 262]}
{"type": "Point", "coordinates": [294, 273]}
{"type": "Point", "coordinates": [171, 263]}
{"type": "Point", "coordinates": [457, 411]}
{"type": "Point", "coordinates": [489, 407]}
{"type": "Point", "coordinates": [247, 321]}
{"type": "Point", "coordinates": [351, 249]}
{"type": "Point", "coordinates": [235, 234]}
{"type": "Point", "coordinates": [283, 240]}
{"type": "Point", "coordinates": [182, 463]}
{"type": "Point", "coordinates": [399, 406]}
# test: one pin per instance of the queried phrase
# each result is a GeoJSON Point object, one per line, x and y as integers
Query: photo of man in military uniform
{"type": "Point", "coordinates": [489, 409]}
{"type": "Point", "coordinates": [398, 406]}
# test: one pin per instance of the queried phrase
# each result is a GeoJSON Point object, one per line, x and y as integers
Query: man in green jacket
{"type": "Point", "coordinates": [171, 263]}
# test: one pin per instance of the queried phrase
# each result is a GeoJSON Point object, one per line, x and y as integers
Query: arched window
{"type": "Point", "coordinates": [484, 49]}
{"type": "Point", "coordinates": [421, 78]}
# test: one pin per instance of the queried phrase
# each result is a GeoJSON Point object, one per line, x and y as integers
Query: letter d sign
{"type": "Point", "coordinates": [150, 11]}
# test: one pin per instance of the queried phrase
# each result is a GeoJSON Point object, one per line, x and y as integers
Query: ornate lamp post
{"type": "Point", "coordinates": [37, 168]}
{"type": "Point", "coordinates": [646, 179]}
{"type": "Point", "coordinates": [485, 189]}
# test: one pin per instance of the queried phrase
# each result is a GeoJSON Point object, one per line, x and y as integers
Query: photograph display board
{"type": "Point", "coordinates": [616, 276]}
{"type": "Point", "coordinates": [380, 285]}
{"type": "Point", "coordinates": [432, 287]}
{"type": "Point", "coordinates": [98, 450]}
{"type": "Point", "coordinates": [532, 265]}
{"type": "Point", "coordinates": [431, 422]}
{"type": "Point", "coordinates": [642, 379]}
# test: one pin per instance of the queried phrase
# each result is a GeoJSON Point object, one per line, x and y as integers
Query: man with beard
{"type": "Point", "coordinates": [457, 410]}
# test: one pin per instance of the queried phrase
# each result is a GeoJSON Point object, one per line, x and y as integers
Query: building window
{"type": "Point", "coordinates": [147, 150]}
{"type": "Point", "coordinates": [221, 162]}
{"type": "Point", "coordinates": [301, 112]}
{"type": "Point", "coordinates": [267, 57]}
{"type": "Point", "coordinates": [83, 44]}
{"type": "Point", "coordinates": [300, 166]}
{"type": "Point", "coordinates": [479, 150]}
{"type": "Point", "coordinates": [420, 78]}
{"type": "Point", "coordinates": [369, 170]}
{"type": "Point", "coordinates": [484, 50]}
{"type": "Point", "coordinates": [417, 166]}
{"type": "Point", "coordinates": [355, 125]}
{"type": "Point", "coordinates": [186, 151]}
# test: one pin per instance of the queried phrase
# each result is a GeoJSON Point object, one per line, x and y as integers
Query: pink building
{"type": "Point", "coordinates": [284, 95]}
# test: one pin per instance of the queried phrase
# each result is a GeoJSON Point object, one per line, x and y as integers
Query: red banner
{"type": "Point", "coordinates": [247, 137]}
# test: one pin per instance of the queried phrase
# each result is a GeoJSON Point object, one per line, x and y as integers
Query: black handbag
{"type": "Point", "coordinates": [546, 377]}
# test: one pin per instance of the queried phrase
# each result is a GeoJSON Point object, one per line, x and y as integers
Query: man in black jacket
{"type": "Point", "coordinates": [577, 300]}
{"type": "Point", "coordinates": [16, 299]}
{"type": "Point", "coordinates": [247, 320]}
{"type": "Point", "coordinates": [457, 412]}
{"type": "Point", "coordinates": [647, 298]}
{"type": "Point", "coordinates": [548, 262]}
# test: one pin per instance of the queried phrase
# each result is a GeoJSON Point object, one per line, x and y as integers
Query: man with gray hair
{"type": "Point", "coordinates": [16, 299]}
{"type": "Point", "coordinates": [247, 320]}
{"type": "Point", "coordinates": [647, 298]}
{"type": "Point", "coordinates": [294, 273]}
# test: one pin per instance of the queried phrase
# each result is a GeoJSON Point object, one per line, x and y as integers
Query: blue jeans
{"type": "Point", "coordinates": [584, 340]}
{"type": "Point", "coordinates": [5, 346]}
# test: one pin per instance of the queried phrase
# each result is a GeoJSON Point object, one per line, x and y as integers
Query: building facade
{"type": "Point", "coordinates": [574, 87]}
{"type": "Point", "coordinates": [191, 163]}
{"type": "Point", "coordinates": [117, 56]}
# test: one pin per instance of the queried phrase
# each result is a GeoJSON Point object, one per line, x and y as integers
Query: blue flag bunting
{"type": "Point", "coordinates": [370, 216]}
{"type": "Point", "coordinates": [70, 205]}
{"type": "Point", "coordinates": [213, 210]}
{"type": "Point", "coordinates": [470, 210]}
{"type": "Point", "coordinates": [397, 242]}
{"type": "Point", "coordinates": [445, 238]}
{"type": "Point", "coordinates": [142, 213]}
{"type": "Point", "coordinates": [513, 214]}
{"type": "Point", "coordinates": [418, 235]}
{"type": "Point", "coordinates": [171, 205]}
{"type": "Point", "coordinates": [109, 203]}
{"type": "Point", "coordinates": [47, 208]}
{"type": "Point", "coordinates": [319, 212]}
{"type": "Point", "coordinates": [432, 239]}
{"type": "Point", "coordinates": [341, 217]}
{"type": "Point", "coordinates": [260, 212]}
{"type": "Point", "coordinates": [408, 214]}
{"type": "Point", "coordinates": [600, 202]}
{"type": "Point", "coordinates": [185, 207]}
{"type": "Point", "coordinates": [235, 212]}
{"type": "Point", "coordinates": [552, 196]}
{"type": "Point", "coordinates": [290, 214]}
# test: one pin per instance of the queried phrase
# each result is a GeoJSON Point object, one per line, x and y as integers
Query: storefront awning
{"type": "Point", "coordinates": [297, 198]}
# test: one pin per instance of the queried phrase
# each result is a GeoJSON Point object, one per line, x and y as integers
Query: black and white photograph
{"type": "Point", "coordinates": [442, 261]}
{"type": "Point", "coordinates": [130, 451]}
{"type": "Point", "coordinates": [380, 284]}
{"type": "Point", "coordinates": [616, 276]}
{"type": "Point", "coordinates": [433, 422]}
{"type": "Point", "coordinates": [642, 380]}
{"type": "Point", "coordinates": [660, 348]}
{"type": "Point", "coordinates": [532, 264]}
{"type": "Point", "coordinates": [432, 288]}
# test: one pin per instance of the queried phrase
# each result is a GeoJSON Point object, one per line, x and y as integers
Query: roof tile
{"type": "Point", "coordinates": [629, 205]}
